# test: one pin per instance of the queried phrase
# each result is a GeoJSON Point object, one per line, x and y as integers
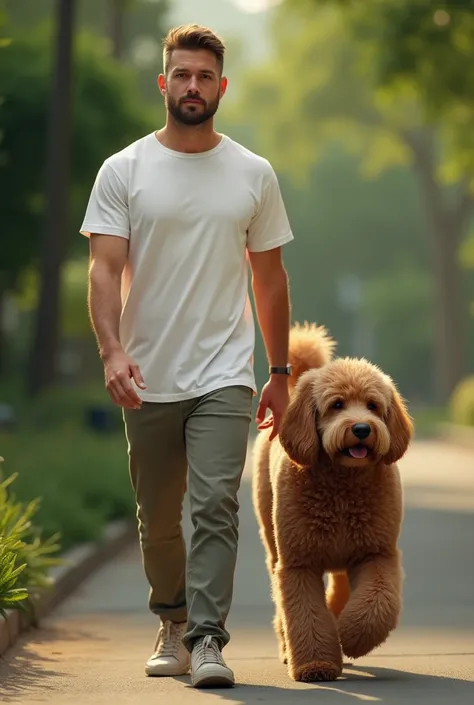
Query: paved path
{"type": "Point", "coordinates": [94, 648]}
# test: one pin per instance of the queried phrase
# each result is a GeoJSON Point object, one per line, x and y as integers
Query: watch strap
{"type": "Point", "coordinates": [275, 370]}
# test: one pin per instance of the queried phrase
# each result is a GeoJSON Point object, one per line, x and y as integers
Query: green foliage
{"type": "Point", "coordinates": [335, 93]}
{"type": "Point", "coordinates": [398, 302]}
{"type": "Point", "coordinates": [25, 557]}
{"type": "Point", "coordinates": [462, 403]}
{"type": "Point", "coordinates": [107, 115]}
{"type": "Point", "coordinates": [11, 597]}
{"type": "Point", "coordinates": [144, 24]}
{"type": "Point", "coordinates": [322, 86]}
{"type": "Point", "coordinates": [74, 320]}
{"type": "Point", "coordinates": [420, 49]}
{"type": "Point", "coordinates": [467, 259]}
{"type": "Point", "coordinates": [418, 40]}
{"type": "Point", "coordinates": [81, 476]}
{"type": "Point", "coordinates": [4, 41]}
{"type": "Point", "coordinates": [346, 226]}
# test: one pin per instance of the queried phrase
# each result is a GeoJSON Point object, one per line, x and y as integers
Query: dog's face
{"type": "Point", "coordinates": [351, 412]}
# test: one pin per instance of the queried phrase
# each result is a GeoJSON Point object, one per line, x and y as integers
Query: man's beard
{"type": "Point", "coordinates": [191, 114]}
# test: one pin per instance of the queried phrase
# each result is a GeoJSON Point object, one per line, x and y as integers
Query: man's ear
{"type": "Point", "coordinates": [161, 81]}
{"type": "Point", "coordinates": [223, 86]}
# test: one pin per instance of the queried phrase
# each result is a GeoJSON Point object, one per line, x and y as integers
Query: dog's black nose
{"type": "Point", "coordinates": [361, 430]}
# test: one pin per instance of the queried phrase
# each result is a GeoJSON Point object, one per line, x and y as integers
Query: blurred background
{"type": "Point", "coordinates": [365, 110]}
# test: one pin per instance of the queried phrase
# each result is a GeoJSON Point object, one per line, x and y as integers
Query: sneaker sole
{"type": "Point", "coordinates": [150, 671]}
{"type": "Point", "coordinates": [211, 680]}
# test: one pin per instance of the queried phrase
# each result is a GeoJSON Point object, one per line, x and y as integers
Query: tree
{"type": "Point", "coordinates": [117, 12]}
{"type": "Point", "coordinates": [333, 92]}
{"type": "Point", "coordinates": [43, 362]}
{"type": "Point", "coordinates": [102, 88]}
{"type": "Point", "coordinates": [4, 42]}
{"type": "Point", "coordinates": [133, 29]}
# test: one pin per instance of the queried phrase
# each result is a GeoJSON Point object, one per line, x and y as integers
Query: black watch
{"type": "Point", "coordinates": [280, 370]}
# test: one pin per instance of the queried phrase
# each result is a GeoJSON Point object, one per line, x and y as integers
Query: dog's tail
{"type": "Point", "coordinates": [310, 346]}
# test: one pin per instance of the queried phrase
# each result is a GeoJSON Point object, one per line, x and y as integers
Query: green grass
{"type": "Point", "coordinates": [427, 419]}
{"type": "Point", "coordinates": [82, 480]}
{"type": "Point", "coordinates": [81, 476]}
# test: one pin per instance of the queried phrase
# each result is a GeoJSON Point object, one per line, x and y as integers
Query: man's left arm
{"type": "Point", "coordinates": [269, 231]}
{"type": "Point", "coordinates": [272, 303]}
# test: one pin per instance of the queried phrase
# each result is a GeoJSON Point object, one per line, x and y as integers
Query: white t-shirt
{"type": "Point", "coordinates": [190, 219]}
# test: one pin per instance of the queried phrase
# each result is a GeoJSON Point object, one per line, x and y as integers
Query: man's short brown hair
{"type": "Point", "coordinates": [192, 36]}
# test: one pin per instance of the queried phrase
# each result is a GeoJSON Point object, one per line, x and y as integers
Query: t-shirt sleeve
{"type": "Point", "coordinates": [107, 209]}
{"type": "Point", "coordinates": [270, 226]}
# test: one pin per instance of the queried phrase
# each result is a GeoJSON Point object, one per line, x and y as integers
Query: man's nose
{"type": "Point", "coordinates": [193, 85]}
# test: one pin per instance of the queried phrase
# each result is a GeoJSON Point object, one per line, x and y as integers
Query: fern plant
{"type": "Point", "coordinates": [25, 556]}
{"type": "Point", "coordinates": [11, 596]}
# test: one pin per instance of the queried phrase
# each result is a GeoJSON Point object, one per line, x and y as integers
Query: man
{"type": "Point", "coordinates": [174, 220]}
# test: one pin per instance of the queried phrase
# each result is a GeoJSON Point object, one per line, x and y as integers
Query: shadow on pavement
{"type": "Point", "coordinates": [24, 669]}
{"type": "Point", "coordinates": [26, 672]}
{"type": "Point", "coordinates": [364, 684]}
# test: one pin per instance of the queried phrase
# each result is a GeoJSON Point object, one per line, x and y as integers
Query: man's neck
{"type": "Point", "coordinates": [188, 138]}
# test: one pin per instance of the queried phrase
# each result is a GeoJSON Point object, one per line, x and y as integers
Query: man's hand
{"type": "Point", "coordinates": [275, 396]}
{"type": "Point", "coordinates": [119, 370]}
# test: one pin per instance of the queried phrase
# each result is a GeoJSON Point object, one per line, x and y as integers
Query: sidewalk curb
{"type": "Point", "coordinates": [79, 563]}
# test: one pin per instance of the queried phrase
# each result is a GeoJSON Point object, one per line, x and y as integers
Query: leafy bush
{"type": "Point", "coordinates": [25, 556]}
{"type": "Point", "coordinates": [81, 477]}
{"type": "Point", "coordinates": [462, 403]}
{"type": "Point", "coordinates": [11, 596]}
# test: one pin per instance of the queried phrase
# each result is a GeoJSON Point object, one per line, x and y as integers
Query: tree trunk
{"type": "Point", "coordinates": [450, 338]}
{"type": "Point", "coordinates": [446, 223]}
{"type": "Point", "coordinates": [116, 27]}
{"type": "Point", "coordinates": [3, 336]}
{"type": "Point", "coordinates": [44, 351]}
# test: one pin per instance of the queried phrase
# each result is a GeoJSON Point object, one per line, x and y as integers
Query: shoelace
{"type": "Point", "coordinates": [167, 643]}
{"type": "Point", "coordinates": [207, 651]}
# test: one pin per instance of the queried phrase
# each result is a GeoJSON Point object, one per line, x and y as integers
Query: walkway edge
{"type": "Point", "coordinates": [78, 565]}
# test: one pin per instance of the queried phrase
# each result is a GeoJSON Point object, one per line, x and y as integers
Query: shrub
{"type": "Point", "coordinates": [11, 596]}
{"type": "Point", "coordinates": [82, 478]}
{"type": "Point", "coordinates": [25, 556]}
{"type": "Point", "coordinates": [462, 403]}
{"type": "Point", "coordinates": [80, 474]}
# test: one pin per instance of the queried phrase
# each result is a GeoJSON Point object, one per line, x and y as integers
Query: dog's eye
{"type": "Point", "coordinates": [372, 406]}
{"type": "Point", "coordinates": [338, 404]}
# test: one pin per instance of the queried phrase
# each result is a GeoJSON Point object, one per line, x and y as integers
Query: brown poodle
{"type": "Point", "coordinates": [328, 500]}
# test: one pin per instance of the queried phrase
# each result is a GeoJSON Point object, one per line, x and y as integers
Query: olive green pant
{"type": "Point", "coordinates": [207, 436]}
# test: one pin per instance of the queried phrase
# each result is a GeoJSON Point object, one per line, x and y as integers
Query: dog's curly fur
{"type": "Point", "coordinates": [325, 505]}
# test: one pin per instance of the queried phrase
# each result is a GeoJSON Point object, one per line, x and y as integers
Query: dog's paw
{"type": "Point", "coordinates": [356, 643]}
{"type": "Point", "coordinates": [360, 633]}
{"type": "Point", "coordinates": [316, 671]}
{"type": "Point", "coordinates": [282, 655]}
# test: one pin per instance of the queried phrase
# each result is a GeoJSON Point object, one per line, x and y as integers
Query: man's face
{"type": "Point", "coordinates": [193, 86]}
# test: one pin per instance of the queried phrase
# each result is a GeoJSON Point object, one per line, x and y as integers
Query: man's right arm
{"type": "Point", "coordinates": [108, 256]}
{"type": "Point", "coordinates": [107, 225]}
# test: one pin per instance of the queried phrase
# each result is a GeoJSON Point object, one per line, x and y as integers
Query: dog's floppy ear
{"type": "Point", "coordinates": [298, 433]}
{"type": "Point", "coordinates": [400, 428]}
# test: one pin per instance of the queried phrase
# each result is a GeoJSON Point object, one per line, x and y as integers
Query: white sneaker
{"type": "Point", "coordinates": [208, 668]}
{"type": "Point", "coordinates": [170, 658]}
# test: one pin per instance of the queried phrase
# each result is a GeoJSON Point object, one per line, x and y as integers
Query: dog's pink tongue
{"type": "Point", "coordinates": [358, 452]}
